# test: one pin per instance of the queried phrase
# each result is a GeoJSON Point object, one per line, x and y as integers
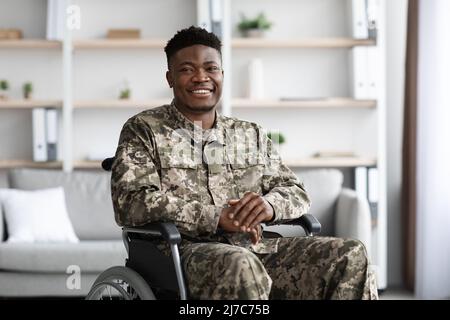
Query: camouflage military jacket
{"type": "Point", "coordinates": [168, 168]}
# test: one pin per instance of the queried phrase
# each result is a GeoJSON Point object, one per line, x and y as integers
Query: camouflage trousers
{"type": "Point", "coordinates": [302, 268]}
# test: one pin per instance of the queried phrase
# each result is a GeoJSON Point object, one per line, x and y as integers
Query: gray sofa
{"type": "Point", "coordinates": [41, 269]}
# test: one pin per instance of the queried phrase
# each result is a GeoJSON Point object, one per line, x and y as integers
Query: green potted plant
{"type": "Point", "coordinates": [125, 92]}
{"type": "Point", "coordinates": [254, 27]}
{"type": "Point", "coordinates": [27, 90]}
{"type": "Point", "coordinates": [278, 140]}
{"type": "Point", "coordinates": [276, 137]}
{"type": "Point", "coordinates": [4, 86]}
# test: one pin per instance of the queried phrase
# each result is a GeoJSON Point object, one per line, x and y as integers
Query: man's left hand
{"type": "Point", "coordinates": [250, 211]}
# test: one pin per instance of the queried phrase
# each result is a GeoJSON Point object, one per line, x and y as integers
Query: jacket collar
{"type": "Point", "coordinates": [195, 131]}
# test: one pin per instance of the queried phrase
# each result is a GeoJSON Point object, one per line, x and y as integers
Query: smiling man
{"type": "Point", "coordinates": [196, 76]}
{"type": "Point", "coordinates": [218, 179]}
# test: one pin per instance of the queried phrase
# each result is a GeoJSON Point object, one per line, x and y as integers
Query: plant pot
{"type": "Point", "coordinates": [280, 149]}
{"type": "Point", "coordinates": [3, 95]}
{"type": "Point", "coordinates": [254, 33]}
{"type": "Point", "coordinates": [28, 95]}
{"type": "Point", "coordinates": [124, 95]}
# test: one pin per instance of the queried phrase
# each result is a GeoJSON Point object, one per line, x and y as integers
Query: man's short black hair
{"type": "Point", "coordinates": [189, 37]}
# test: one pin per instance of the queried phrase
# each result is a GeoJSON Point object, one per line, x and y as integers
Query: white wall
{"type": "Point", "coordinates": [396, 45]}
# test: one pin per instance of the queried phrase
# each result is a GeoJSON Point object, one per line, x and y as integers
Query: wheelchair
{"type": "Point", "coordinates": [149, 274]}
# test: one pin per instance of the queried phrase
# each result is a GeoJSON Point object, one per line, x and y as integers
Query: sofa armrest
{"type": "Point", "coordinates": [2, 221]}
{"type": "Point", "coordinates": [353, 219]}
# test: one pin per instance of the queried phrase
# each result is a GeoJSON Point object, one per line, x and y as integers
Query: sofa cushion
{"type": "Point", "coordinates": [323, 187]}
{"type": "Point", "coordinates": [90, 256]}
{"type": "Point", "coordinates": [37, 216]}
{"type": "Point", "coordinates": [88, 198]}
{"type": "Point", "coordinates": [2, 225]}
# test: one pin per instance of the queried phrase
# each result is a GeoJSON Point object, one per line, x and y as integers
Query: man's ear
{"type": "Point", "coordinates": [169, 78]}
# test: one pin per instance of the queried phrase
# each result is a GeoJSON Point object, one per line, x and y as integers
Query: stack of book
{"type": "Point", "coordinates": [334, 154]}
{"type": "Point", "coordinates": [10, 34]}
{"type": "Point", "coordinates": [123, 34]}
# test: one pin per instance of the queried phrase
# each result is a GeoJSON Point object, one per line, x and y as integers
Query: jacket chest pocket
{"type": "Point", "coordinates": [179, 177]}
{"type": "Point", "coordinates": [248, 177]}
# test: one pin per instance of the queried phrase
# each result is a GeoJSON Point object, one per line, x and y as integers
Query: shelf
{"type": "Point", "coordinates": [236, 103]}
{"type": "Point", "coordinates": [294, 163]}
{"type": "Point", "coordinates": [319, 103]}
{"type": "Point", "coordinates": [300, 43]}
{"type": "Point", "coordinates": [330, 162]}
{"type": "Point", "coordinates": [120, 44]}
{"type": "Point", "coordinates": [10, 164]}
{"type": "Point", "coordinates": [91, 104]}
{"type": "Point", "coordinates": [30, 44]}
{"type": "Point", "coordinates": [87, 164]}
{"type": "Point", "coordinates": [160, 43]}
{"type": "Point", "coordinates": [83, 104]}
{"type": "Point", "coordinates": [29, 104]}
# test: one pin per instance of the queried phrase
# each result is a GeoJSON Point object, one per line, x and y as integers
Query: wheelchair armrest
{"type": "Point", "coordinates": [167, 230]}
{"type": "Point", "coordinates": [308, 222]}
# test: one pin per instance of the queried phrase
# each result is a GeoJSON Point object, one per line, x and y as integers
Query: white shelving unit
{"type": "Point", "coordinates": [307, 60]}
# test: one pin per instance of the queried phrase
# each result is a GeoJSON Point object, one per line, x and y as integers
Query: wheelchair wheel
{"type": "Point", "coordinates": [120, 283]}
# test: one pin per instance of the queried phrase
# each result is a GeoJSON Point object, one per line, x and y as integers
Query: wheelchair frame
{"type": "Point", "coordinates": [169, 232]}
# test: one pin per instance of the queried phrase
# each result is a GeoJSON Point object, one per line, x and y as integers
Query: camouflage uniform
{"type": "Point", "coordinates": [169, 169]}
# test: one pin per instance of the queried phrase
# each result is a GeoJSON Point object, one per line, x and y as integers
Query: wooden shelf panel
{"type": "Point", "coordinates": [29, 104]}
{"type": "Point", "coordinates": [300, 43]}
{"type": "Point", "coordinates": [330, 162]}
{"type": "Point", "coordinates": [87, 104]}
{"type": "Point", "coordinates": [236, 103]}
{"type": "Point", "coordinates": [87, 164]}
{"type": "Point", "coordinates": [30, 44]}
{"type": "Point", "coordinates": [321, 103]}
{"type": "Point", "coordinates": [10, 164]}
{"type": "Point", "coordinates": [154, 43]}
{"type": "Point", "coordinates": [119, 44]}
{"type": "Point", "coordinates": [83, 104]}
{"type": "Point", "coordinates": [292, 163]}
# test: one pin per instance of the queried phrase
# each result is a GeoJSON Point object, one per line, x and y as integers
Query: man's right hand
{"type": "Point", "coordinates": [227, 224]}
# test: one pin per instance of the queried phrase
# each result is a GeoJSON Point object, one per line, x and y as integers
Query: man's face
{"type": "Point", "coordinates": [196, 76]}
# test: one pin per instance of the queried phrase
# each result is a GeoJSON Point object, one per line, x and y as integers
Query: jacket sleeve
{"type": "Point", "coordinates": [281, 187]}
{"type": "Point", "coordinates": [136, 187]}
